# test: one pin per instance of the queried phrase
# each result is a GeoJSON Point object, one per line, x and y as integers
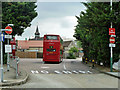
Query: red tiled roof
{"type": "Point", "coordinates": [23, 44]}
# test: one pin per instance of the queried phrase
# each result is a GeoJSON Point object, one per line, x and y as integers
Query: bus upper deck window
{"type": "Point", "coordinates": [51, 37]}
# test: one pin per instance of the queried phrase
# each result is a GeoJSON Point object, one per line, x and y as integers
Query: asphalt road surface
{"type": "Point", "coordinates": [68, 66]}
{"type": "Point", "coordinates": [70, 73]}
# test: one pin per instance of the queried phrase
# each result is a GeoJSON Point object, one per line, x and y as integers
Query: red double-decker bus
{"type": "Point", "coordinates": [52, 48]}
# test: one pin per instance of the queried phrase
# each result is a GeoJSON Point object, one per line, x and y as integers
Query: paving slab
{"type": "Point", "coordinates": [10, 79]}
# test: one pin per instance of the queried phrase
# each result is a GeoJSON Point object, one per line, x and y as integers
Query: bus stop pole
{"type": "Point", "coordinates": [8, 66]}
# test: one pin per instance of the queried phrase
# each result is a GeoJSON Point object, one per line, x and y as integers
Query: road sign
{"type": "Point", "coordinates": [8, 49]}
{"type": "Point", "coordinates": [112, 40]}
{"type": "Point", "coordinates": [111, 31]}
{"type": "Point", "coordinates": [8, 36]}
{"type": "Point", "coordinates": [2, 37]}
{"type": "Point", "coordinates": [8, 32]}
{"type": "Point", "coordinates": [111, 45]}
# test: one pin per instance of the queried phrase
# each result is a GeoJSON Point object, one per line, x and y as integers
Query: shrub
{"type": "Point", "coordinates": [71, 55]}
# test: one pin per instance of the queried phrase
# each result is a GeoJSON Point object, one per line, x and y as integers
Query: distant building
{"type": "Point", "coordinates": [37, 35]}
{"type": "Point", "coordinates": [24, 45]}
{"type": "Point", "coordinates": [69, 44]}
{"type": "Point", "coordinates": [32, 48]}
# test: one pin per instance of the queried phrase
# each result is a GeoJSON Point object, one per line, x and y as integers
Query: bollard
{"type": "Point", "coordinates": [83, 59]}
{"type": "Point", "coordinates": [93, 61]}
{"type": "Point", "coordinates": [86, 60]}
{"type": "Point", "coordinates": [17, 62]}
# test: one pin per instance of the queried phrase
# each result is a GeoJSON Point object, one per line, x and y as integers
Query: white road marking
{"type": "Point", "coordinates": [65, 72]}
{"type": "Point", "coordinates": [37, 72]}
{"type": "Point", "coordinates": [32, 71]}
{"type": "Point", "coordinates": [69, 72]}
{"type": "Point", "coordinates": [64, 66]}
{"type": "Point", "coordinates": [89, 72]}
{"type": "Point", "coordinates": [44, 71]}
{"type": "Point", "coordinates": [75, 72]}
{"type": "Point", "coordinates": [58, 72]}
{"type": "Point", "coordinates": [44, 67]}
{"type": "Point", "coordinates": [82, 72]}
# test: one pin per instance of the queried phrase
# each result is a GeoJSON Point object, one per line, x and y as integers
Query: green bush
{"type": "Point", "coordinates": [71, 55]}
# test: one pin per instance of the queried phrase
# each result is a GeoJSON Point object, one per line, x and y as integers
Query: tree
{"type": "Point", "coordinates": [93, 30]}
{"type": "Point", "coordinates": [18, 13]}
{"type": "Point", "coordinates": [72, 53]}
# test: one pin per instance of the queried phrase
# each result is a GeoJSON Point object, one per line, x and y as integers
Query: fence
{"type": "Point", "coordinates": [14, 62]}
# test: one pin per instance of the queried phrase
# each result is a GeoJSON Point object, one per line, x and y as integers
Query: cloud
{"type": "Point", "coordinates": [54, 18]}
{"type": "Point", "coordinates": [58, 9]}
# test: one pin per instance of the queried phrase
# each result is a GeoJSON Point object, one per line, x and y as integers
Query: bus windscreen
{"type": "Point", "coordinates": [51, 38]}
{"type": "Point", "coordinates": [51, 50]}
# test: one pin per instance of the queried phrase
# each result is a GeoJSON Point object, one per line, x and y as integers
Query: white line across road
{"type": "Point", "coordinates": [62, 72]}
{"type": "Point", "coordinates": [75, 72]}
{"type": "Point", "coordinates": [44, 67]}
{"type": "Point", "coordinates": [67, 72]}
{"type": "Point", "coordinates": [44, 71]}
{"type": "Point", "coordinates": [89, 72]}
{"type": "Point", "coordinates": [32, 71]}
{"type": "Point", "coordinates": [58, 72]}
{"type": "Point", "coordinates": [82, 71]}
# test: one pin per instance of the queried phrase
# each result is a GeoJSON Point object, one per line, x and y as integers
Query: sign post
{"type": "Point", "coordinates": [2, 35]}
{"type": "Point", "coordinates": [111, 34]}
{"type": "Point", "coordinates": [111, 45]}
{"type": "Point", "coordinates": [1, 39]}
{"type": "Point", "coordinates": [8, 32]}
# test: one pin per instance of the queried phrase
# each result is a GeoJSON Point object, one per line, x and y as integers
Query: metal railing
{"type": "Point", "coordinates": [14, 63]}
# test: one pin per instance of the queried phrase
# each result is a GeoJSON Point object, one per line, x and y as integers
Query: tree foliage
{"type": "Point", "coordinates": [18, 13]}
{"type": "Point", "coordinates": [73, 49]}
{"type": "Point", "coordinates": [72, 53]}
{"type": "Point", "coordinates": [93, 30]}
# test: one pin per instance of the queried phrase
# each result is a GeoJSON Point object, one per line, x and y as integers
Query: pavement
{"type": "Point", "coordinates": [10, 79]}
{"type": "Point", "coordinates": [114, 74]}
{"type": "Point", "coordinates": [105, 70]}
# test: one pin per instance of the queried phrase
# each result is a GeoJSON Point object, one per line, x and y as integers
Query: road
{"type": "Point", "coordinates": [68, 74]}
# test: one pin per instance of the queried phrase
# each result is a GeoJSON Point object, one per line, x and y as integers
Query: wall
{"type": "Point", "coordinates": [26, 54]}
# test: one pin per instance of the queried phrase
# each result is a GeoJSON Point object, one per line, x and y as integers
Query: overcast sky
{"type": "Point", "coordinates": [54, 18]}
